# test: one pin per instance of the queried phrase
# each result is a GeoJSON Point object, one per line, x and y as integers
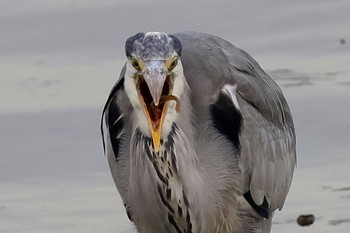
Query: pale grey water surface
{"type": "Point", "coordinates": [58, 61]}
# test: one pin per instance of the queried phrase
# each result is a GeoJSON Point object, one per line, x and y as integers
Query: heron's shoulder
{"type": "Point", "coordinates": [211, 62]}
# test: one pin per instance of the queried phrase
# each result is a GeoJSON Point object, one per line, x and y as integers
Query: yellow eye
{"type": "Point", "coordinates": [135, 64]}
{"type": "Point", "coordinates": [173, 63]}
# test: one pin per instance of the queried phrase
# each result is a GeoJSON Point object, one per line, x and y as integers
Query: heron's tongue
{"type": "Point", "coordinates": [156, 114]}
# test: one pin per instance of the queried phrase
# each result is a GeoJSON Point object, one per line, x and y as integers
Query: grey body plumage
{"type": "Point", "coordinates": [223, 163]}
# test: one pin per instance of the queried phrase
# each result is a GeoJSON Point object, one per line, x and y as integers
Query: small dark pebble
{"type": "Point", "coordinates": [306, 219]}
{"type": "Point", "coordinates": [342, 41]}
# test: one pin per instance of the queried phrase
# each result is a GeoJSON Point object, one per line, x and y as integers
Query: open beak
{"type": "Point", "coordinates": [152, 85]}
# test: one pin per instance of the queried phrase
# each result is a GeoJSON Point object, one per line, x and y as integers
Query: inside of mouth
{"type": "Point", "coordinates": [155, 112]}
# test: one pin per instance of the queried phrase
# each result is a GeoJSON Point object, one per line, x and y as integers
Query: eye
{"type": "Point", "coordinates": [135, 64]}
{"type": "Point", "coordinates": [173, 63]}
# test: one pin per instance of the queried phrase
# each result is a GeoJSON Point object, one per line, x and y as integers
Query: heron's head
{"type": "Point", "coordinates": [154, 81]}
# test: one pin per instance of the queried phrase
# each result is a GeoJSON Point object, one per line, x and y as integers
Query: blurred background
{"type": "Point", "coordinates": [59, 60]}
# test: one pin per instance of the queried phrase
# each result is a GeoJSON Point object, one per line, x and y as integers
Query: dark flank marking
{"type": "Point", "coordinates": [179, 210]}
{"type": "Point", "coordinates": [128, 212]}
{"type": "Point", "coordinates": [172, 222]}
{"type": "Point", "coordinates": [162, 158]}
{"type": "Point", "coordinates": [189, 224]}
{"type": "Point", "coordinates": [163, 199]}
{"type": "Point", "coordinates": [227, 119]}
{"type": "Point", "coordinates": [262, 210]}
{"type": "Point", "coordinates": [167, 175]}
{"type": "Point", "coordinates": [189, 228]}
{"type": "Point", "coordinates": [168, 193]}
{"type": "Point", "coordinates": [188, 217]}
{"type": "Point", "coordinates": [173, 161]}
{"type": "Point", "coordinates": [185, 199]}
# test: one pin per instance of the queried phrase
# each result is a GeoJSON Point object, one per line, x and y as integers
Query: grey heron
{"type": "Point", "coordinates": [199, 138]}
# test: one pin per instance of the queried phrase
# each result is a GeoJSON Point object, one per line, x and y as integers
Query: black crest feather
{"type": "Point", "coordinates": [130, 41]}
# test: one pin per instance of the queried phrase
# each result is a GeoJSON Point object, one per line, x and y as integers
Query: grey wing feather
{"type": "Point", "coordinates": [268, 154]}
{"type": "Point", "coordinates": [106, 109]}
{"type": "Point", "coordinates": [114, 122]}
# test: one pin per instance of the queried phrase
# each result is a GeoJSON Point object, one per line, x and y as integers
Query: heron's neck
{"type": "Point", "coordinates": [171, 186]}
{"type": "Point", "coordinates": [168, 175]}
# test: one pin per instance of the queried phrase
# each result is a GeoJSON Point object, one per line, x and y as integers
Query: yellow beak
{"type": "Point", "coordinates": [156, 131]}
{"type": "Point", "coordinates": [154, 75]}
